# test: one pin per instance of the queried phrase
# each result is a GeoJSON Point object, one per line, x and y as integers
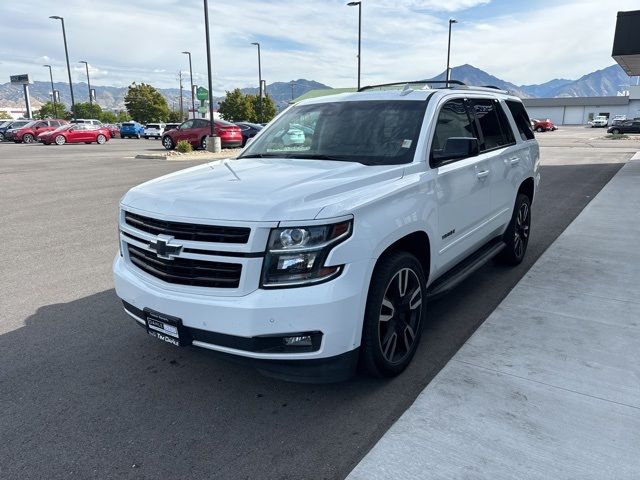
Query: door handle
{"type": "Point", "coordinates": [514, 161]}
{"type": "Point", "coordinates": [482, 174]}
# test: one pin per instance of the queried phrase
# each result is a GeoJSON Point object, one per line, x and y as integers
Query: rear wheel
{"type": "Point", "coordinates": [615, 131]}
{"type": "Point", "coordinates": [101, 139]}
{"type": "Point", "coordinates": [1, 137]}
{"type": "Point", "coordinates": [394, 315]}
{"type": "Point", "coordinates": [203, 143]}
{"type": "Point", "coordinates": [138, 136]}
{"type": "Point", "coordinates": [168, 143]}
{"type": "Point", "coordinates": [60, 140]}
{"type": "Point", "coordinates": [517, 235]}
{"type": "Point", "coordinates": [27, 138]}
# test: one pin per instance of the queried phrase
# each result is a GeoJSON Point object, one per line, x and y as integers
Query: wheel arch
{"type": "Point", "coordinates": [416, 243]}
{"type": "Point", "coordinates": [527, 187]}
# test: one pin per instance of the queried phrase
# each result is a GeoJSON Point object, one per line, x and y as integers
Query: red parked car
{"type": "Point", "coordinates": [76, 133]}
{"type": "Point", "coordinates": [543, 125]}
{"type": "Point", "coordinates": [29, 132]}
{"type": "Point", "coordinates": [195, 131]}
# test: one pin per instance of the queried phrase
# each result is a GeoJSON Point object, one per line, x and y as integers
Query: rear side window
{"type": "Point", "coordinates": [522, 119]}
{"type": "Point", "coordinates": [453, 122]}
{"type": "Point", "coordinates": [495, 132]}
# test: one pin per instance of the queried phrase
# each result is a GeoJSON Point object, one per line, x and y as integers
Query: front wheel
{"type": "Point", "coordinates": [138, 136]}
{"type": "Point", "coordinates": [540, 129]}
{"type": "Point", "coordinates": [394, 315]}
{"type": "Point", "coordinates": [168, 143]}
{"type": "Point", "coordinates": [28, 138]}
{"type": "Point", "coordinates": [203, 143]}
{"type": "Point", "coordinates": [517, 235]}
{"type": "Point", "coordinates": [60, 140]}
{"type": "Point", "coordinates": [615, 131]}
{"type": "Point", "coordinates": [101, 139]}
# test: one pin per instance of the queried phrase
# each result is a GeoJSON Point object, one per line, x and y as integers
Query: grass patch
{"type": "Point", "coordinates": [617, 136]}
{"type": "Point", "coordinates": [184, 147]}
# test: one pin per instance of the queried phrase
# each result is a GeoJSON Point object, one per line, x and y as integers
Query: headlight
{"type": "Point", "coordinates": [296, 255]}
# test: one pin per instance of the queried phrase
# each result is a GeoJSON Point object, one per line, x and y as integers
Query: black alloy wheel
{"type": "Point", "coordinates": [517, 234]}
{"type": "Point", "coordinates": [394, 315]}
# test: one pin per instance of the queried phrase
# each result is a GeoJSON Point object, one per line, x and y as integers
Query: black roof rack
{"type": "Point", "coordinates": [492, 86]}
{"type": "Point", "coordinates": [415, 82]}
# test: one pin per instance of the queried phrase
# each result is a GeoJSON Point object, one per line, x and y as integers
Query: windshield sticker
{"type": "Point", "coordinates": [406, 144]}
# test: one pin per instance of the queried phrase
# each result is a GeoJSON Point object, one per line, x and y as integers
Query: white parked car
{"type": "Point", "coordinates": [154, 130]}
{"type": "Point", "coordinates": [600, 121]}
{"type": "Point", "coordinates": [88, 121]}
{"type": "Point", "coordinates": [311, 261]}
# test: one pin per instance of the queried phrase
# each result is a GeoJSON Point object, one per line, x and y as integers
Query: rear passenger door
{"type": "Point", "coordinates": [462, 187]}
{"type": "Point", "coordinates": [498, 149]}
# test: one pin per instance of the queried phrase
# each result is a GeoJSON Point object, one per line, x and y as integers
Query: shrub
{"type": "Point", "coordinates": [184, 147]}
{"type": "Point", "coordinates": [617, 136]}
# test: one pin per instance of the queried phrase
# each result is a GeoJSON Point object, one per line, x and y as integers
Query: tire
{"type": "Point", "coordinates": [27, 138]}
{"type": "Point", "coordinates": [168, 143]}
{"type": "Point", "coordinates": [60, 140]}
{"type": "Point", "coordinates": [101, 139]}
{"type": "Point", "coordinates": [1, 137]}
{"type": "Point", "coordinates": [615, 131]}
{"type": "Point", "coordinates": [540, 129]}
{"type": "Point", "coordinates": [138, 136]}
{"type": "Point", "coordinates": [203, 143]}
{"type": "Point", "coordinates": [517, 235]}
{"type": "Point", "coordinates": [393, 320]}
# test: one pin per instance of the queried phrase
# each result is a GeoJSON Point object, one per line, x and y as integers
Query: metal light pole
{"type": "Point", "coordinates": [66, 52]}
{"type": "Point", "coordinates": [53, 92]}
{"type": "Point", "coordinates": [451, 22]}
{"type": "Point", "coordinates": [359, 5]}
{"type": "Point", "coordinates": [193, 102]}
{"type": "Point", "coordinates": [259, 82]}
{"type": "Point", "coordinates": [293, 84]}
{"type": "Point", "coordinates": [212, 133]}
{"type": "Point", "coordinates": [88, 81]}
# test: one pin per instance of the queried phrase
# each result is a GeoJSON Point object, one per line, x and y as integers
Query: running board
{"type": "Point", "coordinates": [465, 268]}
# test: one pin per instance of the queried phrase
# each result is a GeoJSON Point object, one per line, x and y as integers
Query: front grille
{"type": "Point", "coordinates": [188, 231]}
{"type": "Point", "coordinates": [186, 271]}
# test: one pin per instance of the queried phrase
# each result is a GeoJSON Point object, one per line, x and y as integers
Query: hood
{"type": "Point", "coordinates": [258, 189]}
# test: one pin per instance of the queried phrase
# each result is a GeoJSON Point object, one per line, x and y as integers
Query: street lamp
{"type": "Point", "coordinates": [293, 84]}
{"type": "Point", "coordinates": [451, 22]}
{"type": "Point", "coordinates": [257, 44]}
{"type": "Point", "coordinates": [53, 92]}
{"type": "Point", "coordinates": [193, 102]}
{"type": "Point", "coordinates": [88, 81]}
{"type": "Point", "coordinates": [212, 144]}
{"type": "Point", "coordinates": [66, 52]}
{"type": "Point", "coordinates": [359, 5]}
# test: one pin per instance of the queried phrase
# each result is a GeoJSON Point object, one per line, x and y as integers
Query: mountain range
{"type": "Point", "coordinates": [606, 82]}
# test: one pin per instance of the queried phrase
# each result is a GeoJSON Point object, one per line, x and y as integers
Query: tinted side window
{"type": "Point", "coordinates": [453, 122]}
{"type": "Point", "coordinates": [200, 123]}
{"type": "Point", "coordinates": [521, 118]}
{"type": "Point", "coordinates": [486, 112]}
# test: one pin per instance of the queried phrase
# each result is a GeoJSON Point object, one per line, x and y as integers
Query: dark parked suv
{"type": "Point", "coordinates": [11, 124]}
{"type": "Point", "coordinates": [626, 126]}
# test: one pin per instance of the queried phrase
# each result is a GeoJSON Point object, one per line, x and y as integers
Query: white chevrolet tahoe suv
{"type": "Point", "coordinates": [312, 258]}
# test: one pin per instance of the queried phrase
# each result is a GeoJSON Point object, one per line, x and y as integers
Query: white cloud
{"type": "Point", "coordinates": [402, 39]}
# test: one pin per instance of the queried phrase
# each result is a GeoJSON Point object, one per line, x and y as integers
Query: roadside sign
{"type": "Point", "coordinates": [203, 109]}
{"type": "Point", "coordinates": [20, 79]}
{"type": "Point", "coordinates": [202, 93]}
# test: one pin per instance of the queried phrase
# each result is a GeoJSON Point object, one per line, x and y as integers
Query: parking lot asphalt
{"type": "Point", "coordinates": [85, 393]}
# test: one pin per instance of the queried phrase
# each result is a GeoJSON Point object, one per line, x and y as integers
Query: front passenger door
{"type": "Point", "coordinates": [462, 187]}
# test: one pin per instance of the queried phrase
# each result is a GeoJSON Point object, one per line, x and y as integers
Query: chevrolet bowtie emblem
{"type": "Point", "coordinates": [164, 248]}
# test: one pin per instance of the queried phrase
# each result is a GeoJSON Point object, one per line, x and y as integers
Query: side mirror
{"type": "Point", "coordinates": [456, 148]}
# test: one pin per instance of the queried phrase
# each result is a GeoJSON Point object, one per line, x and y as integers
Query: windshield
{"type": "Point", "coordinates": [368, 132]}
{"type": "Point", "coordinates": [21, 123]}
{"type": "Point", "coordinates": [64, 127]}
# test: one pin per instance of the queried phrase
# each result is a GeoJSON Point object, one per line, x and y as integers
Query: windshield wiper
{"type": "Point", "coordinates": [261, 155]}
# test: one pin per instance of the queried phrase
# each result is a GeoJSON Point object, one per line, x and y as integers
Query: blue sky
{"type": "Point", "coordinates": [123, 41]}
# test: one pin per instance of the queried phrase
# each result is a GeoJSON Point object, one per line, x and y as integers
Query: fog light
{"type": "Point", "coordinates": [300, 341]}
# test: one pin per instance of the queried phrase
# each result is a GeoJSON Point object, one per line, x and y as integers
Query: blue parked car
{"type": "Point", "coordinates": [131, 130]}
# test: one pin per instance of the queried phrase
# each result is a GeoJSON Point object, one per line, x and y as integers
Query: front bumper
{"type": "Point", "coordinates": [227, 324]}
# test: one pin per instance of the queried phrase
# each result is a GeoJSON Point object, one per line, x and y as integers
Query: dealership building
{"type": "Point", "coordinates": [580, 110]}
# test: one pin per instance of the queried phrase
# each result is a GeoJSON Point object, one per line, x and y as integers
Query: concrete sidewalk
{"type": "Point", "coordinates": [549, 386]}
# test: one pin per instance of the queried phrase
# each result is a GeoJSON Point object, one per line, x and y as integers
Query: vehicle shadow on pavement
{"type": "Point", "coordinates": [86, 393]}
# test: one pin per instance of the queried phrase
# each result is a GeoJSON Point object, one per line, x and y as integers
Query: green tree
{"type": "Point", "coordinates": [268, 109]}
{"type": "Point", "coordinates": [49, 110]}
{"type": "Point", "coordinates": [108, 117]}
{"type": "Point", "coordinates": [237, 107]}
{"type": "Point", "coordinates": [123, 116]}
{"type": "Point", "coordinates": [146, 104]}
{"type": "Point", "coordinates": [4, 115]}
{"type": "Point", "coordinates": [87, 110]}
{"type": "Point", "coordinates": [176, 116]}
